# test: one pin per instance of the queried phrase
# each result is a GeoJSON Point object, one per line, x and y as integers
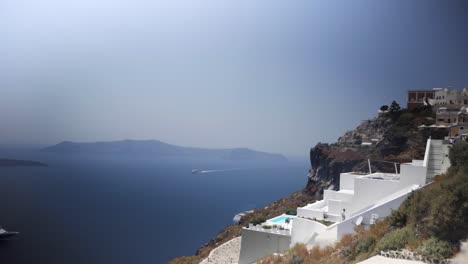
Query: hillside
{"type": "Point", "coordinates": [160, 149]}
{"type": "Point", "coordinates": [398, 140]}
{"type": "Point", "coordinates": [20, 163]}
{"type": "Point", "coordinates": [429, 226]}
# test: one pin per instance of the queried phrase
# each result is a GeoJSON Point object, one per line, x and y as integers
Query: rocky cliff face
{"type": "Point", "coordinates": [394, 138]}
{"type": "Point", "coordinates": [327, 162]}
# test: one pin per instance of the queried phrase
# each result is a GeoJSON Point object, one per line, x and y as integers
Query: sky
{"type": "Point", "coordinates": [276, 76]}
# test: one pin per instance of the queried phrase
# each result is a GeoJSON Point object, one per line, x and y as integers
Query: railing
{"type": "Point", "coordinates": [273, 230]}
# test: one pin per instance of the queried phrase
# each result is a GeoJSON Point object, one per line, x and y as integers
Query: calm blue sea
{"type": "Point", "coordinates": [85, 209]}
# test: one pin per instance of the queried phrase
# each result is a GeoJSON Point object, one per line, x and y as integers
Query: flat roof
{"type": "Point", "coordinates": [426, 91]}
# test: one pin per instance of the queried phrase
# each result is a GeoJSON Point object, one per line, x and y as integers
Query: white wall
{"type": "Point", "coordinates": [412, 175]}
{"type": "Point", "coordinates": [310, 213]}
{"type": "Point", "coordinates": [333, 195]}
{"type": "Point", "coordinates": [312, 210]}
{"type": "Point", "coordinates": [368, 191]}
{"type": "Point", "coordinates": [347, 181]}
{"type": "Point", "coordinates": [303, 230]}
{"type": "Point", "coordinates": [328, 237]}
{"type": "Point", "coordinates": [383, 210]}
{"type": "Point", "coordinates": [312, 233]}
{"type": "Point", "coordinates": [257, 244]}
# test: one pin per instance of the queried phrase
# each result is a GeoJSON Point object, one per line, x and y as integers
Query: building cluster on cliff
{"type": "Point", "coordinates": [450, 107]}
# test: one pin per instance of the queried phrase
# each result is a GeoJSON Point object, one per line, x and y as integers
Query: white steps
{"type": "Point", "coordinates": [437, 156]}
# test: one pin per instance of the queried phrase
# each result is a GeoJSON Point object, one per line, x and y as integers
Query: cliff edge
{"type": "Point", "coordinates": [390, 137]}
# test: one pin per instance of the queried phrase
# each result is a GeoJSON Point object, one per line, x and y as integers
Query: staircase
{"type": "Point", "coordinates": [438, 159]}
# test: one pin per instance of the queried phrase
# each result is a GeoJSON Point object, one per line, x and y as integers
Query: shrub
{"type": "Point", "coordinates": [449, 209]}
{"type": "Point", "coordinates": [258, 220]}
{"type": "Point", "coordinates": [298, 253]}
{"type": "Point", "coordinates": [365, 245]}
{"type": "Point", "coordinates": [394, 107]}
{"type": "Point", "coordinates": [397, 219]}
{"type": "Point", "coordinates": [459, 154]}
{"type": "Point", "coordinates": [384, 108]}
{"type": "Point", "coordinates": [406, 120]}
{"type": "Point", "coordinates": [435, 249]}
{"type": "Point", "coordinates": [266, 227]}
{"type": "Point", "coordinates": [425, 110]}
{"type": "Point", "coordinates": [379, 229]}
{"type": "Point", "coordinates": [291, 212]}
{"type": "Point", "coordinates": [396, 239]}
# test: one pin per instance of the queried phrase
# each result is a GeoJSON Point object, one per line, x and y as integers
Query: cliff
{"type": "Point", "coordinates": [390, 137]}
{"type": "Point", "coordinates": [395, 137]}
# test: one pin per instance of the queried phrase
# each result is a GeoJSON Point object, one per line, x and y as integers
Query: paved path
{"type": "Point", "coordinates": [225, 254]}
{"type": "Point", "coordinates": [384, 260]}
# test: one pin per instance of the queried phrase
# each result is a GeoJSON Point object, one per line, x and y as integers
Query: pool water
{"type": "Point", "coordinates": [279, 219]}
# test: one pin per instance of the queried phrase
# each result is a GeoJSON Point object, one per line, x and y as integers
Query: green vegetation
{"type": "Point", "coordinates": [384, 108]}
{"type": "Point", "coordinates": [291, 212]}
{"type": "Point", "coordinates": [365, 245]}
{"type": "Point", "coordinates": [266, 227]}
{"type": "Point", "coordinates": [394, 107]}
{"type": "Point", "coordinates": [440, 210]}
{"type": "Point", "coordinates": [396, 239]}
{"type": "Point", "coordinates": [324, 222]}
{"type": "Point", "coordinates": [435, 249]}
{"type": "Point", "coordinates": [258, 220]}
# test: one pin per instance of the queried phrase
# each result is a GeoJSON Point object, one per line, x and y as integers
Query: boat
{"type": "Point", "coordinates": [196, 171]}
{"type": "Point", "coordinates": [4, 234]}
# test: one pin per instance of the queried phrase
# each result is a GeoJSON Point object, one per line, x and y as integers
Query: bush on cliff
{"type": "Point", "coordinates": [435, 249]}
{"type": "Point", "coordinates": [440, 210]}
{"type": "Point", "coordinates": [396, 239]}
{"type": "Point", "coordinates": [258, 220]}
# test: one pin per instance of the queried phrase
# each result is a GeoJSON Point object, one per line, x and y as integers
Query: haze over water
{"type": "Point", "coordinates": [127, 210]}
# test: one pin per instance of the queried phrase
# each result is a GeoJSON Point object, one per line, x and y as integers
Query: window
{"type": "Point", "coordinates": [461, 128]}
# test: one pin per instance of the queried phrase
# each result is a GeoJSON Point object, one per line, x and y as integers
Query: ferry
{"type": "Point", "coordinates": [4, 234]}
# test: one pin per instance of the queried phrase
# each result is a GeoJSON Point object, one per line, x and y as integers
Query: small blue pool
{"type": "Point", "coordinates": [280, 219]}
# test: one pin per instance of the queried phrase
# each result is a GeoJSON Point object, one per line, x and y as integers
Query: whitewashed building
{"type": "Point", "coordinates": [362, 199]}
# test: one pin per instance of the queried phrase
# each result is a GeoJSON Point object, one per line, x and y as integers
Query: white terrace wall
{"type": "Point", "coordinates": [311, 232]}
{"type": "Point", "coordinates": [383, 210]}
{"type": "Point", "coordinates": [368, 191]}
{"type": "Point", "coordinates": [412, 175]}
{"type": "Point", "coordinates": [304, 230]}
{"type": "Point", "coordinates": [347, 180]}
{"type": "Point", "coordinates": [312, 210]}
{"type": "Point", "coordinates": [258, 244]}
{"type": "Point", "coordinates": [334, 195]}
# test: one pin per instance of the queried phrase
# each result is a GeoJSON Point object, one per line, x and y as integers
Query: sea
{"type": "Point", "coordinates": [127, 209]}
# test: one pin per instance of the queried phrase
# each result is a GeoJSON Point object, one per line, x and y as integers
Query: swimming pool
{"type": "Point", "coordinates": [280, 219]}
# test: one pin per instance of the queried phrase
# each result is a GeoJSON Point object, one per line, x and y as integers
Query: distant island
{"type": "Point", "coordinates": [20, 163]}
{"type": "Point", "coordinates": [160, 149]}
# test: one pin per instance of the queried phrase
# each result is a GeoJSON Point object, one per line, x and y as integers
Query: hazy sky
{"type": "Point", "coordinates": [276, 76]}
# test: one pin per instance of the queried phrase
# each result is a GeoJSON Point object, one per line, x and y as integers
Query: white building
{"type": "Point", "coordinates": [445, 96]}
{"type": "Point", "coordinates": [362, 199]}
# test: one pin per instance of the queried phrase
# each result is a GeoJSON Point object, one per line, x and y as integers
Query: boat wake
{"type": "Point", "coordinates": [212, 171]}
